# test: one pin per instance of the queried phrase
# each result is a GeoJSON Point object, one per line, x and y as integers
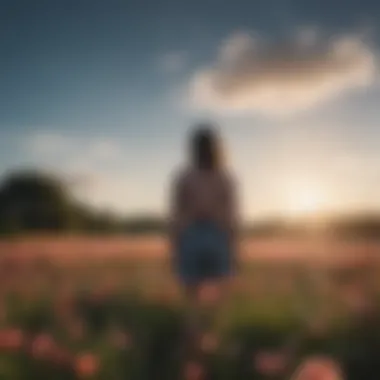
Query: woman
{"type": "Point", "coordinates": [203, 218]}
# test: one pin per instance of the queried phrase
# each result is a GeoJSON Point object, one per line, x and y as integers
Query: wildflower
{"type": "Point", "coordinates": [11, 339]}
{"type": "Point", "coordinates": [193, 371]}
{"type": "Point", "coordinates": [270, 363]}
{"type": "Point", "coordinates": [209, 343]}
{"type": "Point", "coordinates": [43, 346]}
{"type": "Point", "coordinates": [318, 368]}
{"type": "Point", "coordinates": [209, 293]}
{"type": "Point", "coordinates": [86, 365]}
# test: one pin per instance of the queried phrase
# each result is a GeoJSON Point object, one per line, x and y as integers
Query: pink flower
{"type": "Point", "coordinates": [43, 346]}
{"type": "Point", "coordinates": [209, 343]}
{"type": "Point", "coordinates": [11, 339]}
{"type": "Point", "coordinates": [193, 371]}
{"type": "Point", "coordinates": [318, 368]}
{"type": "Point", "coordinates": [86, 365]}
{"type": "Point", "coordinates": [270, 363]}
{"type": "Point", "coordinates": [209, 293]}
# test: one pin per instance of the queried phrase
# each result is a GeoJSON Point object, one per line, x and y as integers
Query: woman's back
{"type": "Point", "coordinates": [203, 213]}
{"type": "Point", "coordinates": [206, 195]}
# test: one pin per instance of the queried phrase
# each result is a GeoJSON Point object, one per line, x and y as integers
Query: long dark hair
{"type": "Point", "coordinates": [206, 150]}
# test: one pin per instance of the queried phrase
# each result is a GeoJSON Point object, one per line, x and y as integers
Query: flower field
{"type": "Point", "coordinates": [111, 309]}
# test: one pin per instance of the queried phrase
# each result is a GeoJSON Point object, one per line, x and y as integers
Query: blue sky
{"type": "Point", "coordinates": [104, 92]}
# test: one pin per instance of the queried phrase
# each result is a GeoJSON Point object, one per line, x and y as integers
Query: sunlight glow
{"type": "Point", "coordinates": [304, 199]}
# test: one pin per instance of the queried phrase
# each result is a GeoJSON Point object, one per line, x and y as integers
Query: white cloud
{"type": "Point", "coordinates": [254, 74]}
{"type": "Point", "coordinates": [173, 62]}
{"type": "Point", "coordinates": [79, 159]}
{"type": "Point", "coordinates": [98, 171]}
{"type": "Point", "coordinates": [48, 143]}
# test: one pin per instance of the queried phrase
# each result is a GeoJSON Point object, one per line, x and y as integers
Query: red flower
{"type": "Point", "coordinates": [43, 346]}
{"type": "Point", "coordinates": [86, 365]}
{"type": "Point", "coordinates": [270, 363]}
{"type": "Point", "coordinates": [11, 339]}
{"type": "Point", "coordinates": [209, 293]}
{"type": "Point", "coordinates": [318, 368]}
{"type": "Point", "coordinates": [193, 371]}
{"type": "Point", "coordinates": [209, 342]}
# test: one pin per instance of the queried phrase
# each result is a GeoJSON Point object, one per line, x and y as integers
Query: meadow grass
{"type": "Point", "coordinates": [117, 318]}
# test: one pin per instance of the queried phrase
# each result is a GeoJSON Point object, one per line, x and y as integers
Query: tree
{"type": "Point", "coordinates": [31, 201]}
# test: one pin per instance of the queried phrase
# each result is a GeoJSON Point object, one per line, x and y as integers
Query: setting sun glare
{"type": "Point", "coordinates": [304, 200]}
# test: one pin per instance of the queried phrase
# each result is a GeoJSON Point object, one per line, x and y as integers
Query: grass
{"type": "Point", "coordinates": [121, 317]}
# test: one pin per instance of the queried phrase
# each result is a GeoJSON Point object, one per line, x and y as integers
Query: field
{"type": "Point", "coordinates": [93, 308]}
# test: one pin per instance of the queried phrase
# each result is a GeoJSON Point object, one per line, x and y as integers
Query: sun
{"type": "Point", "coordinates": [305, 203]}
{"type": "Point", "coordinates": [304, 200]}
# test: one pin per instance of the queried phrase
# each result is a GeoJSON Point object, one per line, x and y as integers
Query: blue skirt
{"type": "Point", "coordinates": [203, 253]}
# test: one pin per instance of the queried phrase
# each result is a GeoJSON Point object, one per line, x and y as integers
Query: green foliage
{"type": "Point", "coordinates": [31, 201]}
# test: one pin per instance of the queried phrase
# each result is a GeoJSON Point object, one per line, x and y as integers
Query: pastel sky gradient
{"type": "Point", "coordinates": [105, 92]}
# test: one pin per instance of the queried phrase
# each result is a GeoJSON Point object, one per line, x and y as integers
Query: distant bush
{"type": "Point", "coordinates": [31, 201]}
{"type": "Point", "coordinates": [359, 226]}
{"type": "Point", "coordinates": [145, 224]}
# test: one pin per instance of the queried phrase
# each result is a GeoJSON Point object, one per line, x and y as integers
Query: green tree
{"type": "Point", "coordinates": [32, 201]}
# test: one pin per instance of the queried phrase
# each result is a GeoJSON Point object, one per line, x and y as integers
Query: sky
{"type": "Point", "coordinates": [105, 92]}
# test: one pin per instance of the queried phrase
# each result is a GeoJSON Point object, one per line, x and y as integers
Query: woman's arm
{"type": "Point", "coordinates": [176, 209]}
{"type": "Point", "coordinates": [233, 213]}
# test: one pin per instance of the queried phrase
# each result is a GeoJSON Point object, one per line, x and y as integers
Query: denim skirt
{"type": "Point", "coordinates": [203, 253]}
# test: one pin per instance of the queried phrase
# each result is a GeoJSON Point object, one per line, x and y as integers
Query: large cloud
{"type": "Point", "coordinates": [252, 74]}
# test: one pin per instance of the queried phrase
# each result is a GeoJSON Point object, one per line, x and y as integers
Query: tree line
{"type": "Point", "coordinates": [33, 202]}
